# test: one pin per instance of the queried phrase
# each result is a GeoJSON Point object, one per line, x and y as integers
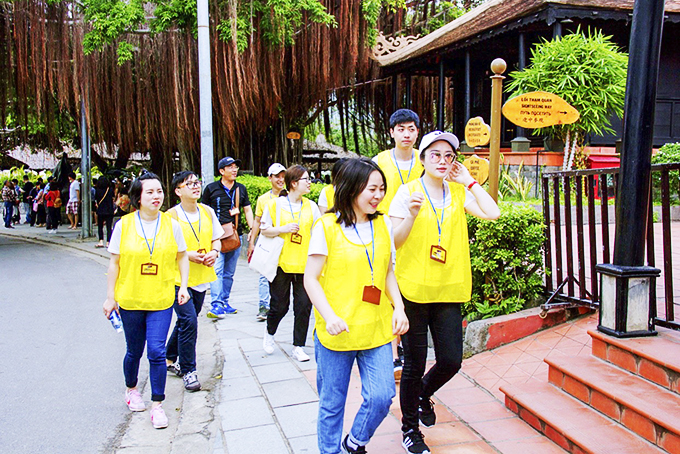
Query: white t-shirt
{"type": "Point", "coordinates": [149, 230]}
{"type": "Point", "coordinates": [217, 230]}
{"type": "Point", "coordinates": [281, 203]}
{"type": "Point", "coordinates": [72, 194]}
{"type": "Point", "coordinates": [323, 200]}
{"type": "Point", "coordinates": [399, 206]}
{"type": "Point", "coordinates": [318, 245]}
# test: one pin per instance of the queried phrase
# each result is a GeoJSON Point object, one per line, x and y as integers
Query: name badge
{"type": "Point", "coordinates": [149, 269]}
{"type": "Point", "coordinates": [201, 251]}
{"type": "Point", "coordinates": [371, 294]}
{"type": "Point", "coordinates": [438, 254]}
{"type": "Point", "coordinates": [234, 211]}
{"type": "Point", "coordinates": [296, 238]}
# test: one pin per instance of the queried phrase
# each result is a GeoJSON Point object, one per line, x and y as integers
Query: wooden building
{"type": "Point", "coordinates": [459, 54]}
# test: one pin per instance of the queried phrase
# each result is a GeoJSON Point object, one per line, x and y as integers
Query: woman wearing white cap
{"type": "Point", "coordinates": [433, 272]}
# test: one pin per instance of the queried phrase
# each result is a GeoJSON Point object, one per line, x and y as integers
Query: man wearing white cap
{"type": "Point", "coordinates": [276, 174]}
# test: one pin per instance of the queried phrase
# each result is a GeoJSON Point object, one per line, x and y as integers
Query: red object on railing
{"type": "Point", "coordinates": [602, 162]}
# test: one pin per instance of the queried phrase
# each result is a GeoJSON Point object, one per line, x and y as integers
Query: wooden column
{"type": "Point", "coordinates": [440, 97]}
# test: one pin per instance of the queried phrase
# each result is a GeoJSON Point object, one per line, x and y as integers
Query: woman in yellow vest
{"type": "Point", "coordinates": [291, 217]}
{"type": "Point", "coordinates": [351, 283]}
{"type": "Point", "coordinates": [202, 232]}
{"type": "Point", "coordinates": [327, 194]}
{"type": "Point", "coordinates": [433, 272]}
{"type": "Point", "coordinates": [146, 248]}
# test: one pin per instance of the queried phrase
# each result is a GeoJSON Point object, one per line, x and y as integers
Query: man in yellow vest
{"type": "Point", "coordinates": [400, 166]}
{"type": "Point", "coordinates": [202, 232]}
{"type": "Point", "coordinates": [276, 174]}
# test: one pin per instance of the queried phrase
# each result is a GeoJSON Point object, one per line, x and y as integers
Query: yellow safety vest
{"type": "Point", "coordinates": [262, 202]}
{"type": "Point", "coordinates": [423, 280]}
{"type": "Point", "coordinates": [135, 291]}
{"type": "Point", "coordinates": [389, 167]}
{"type": "Point", "coordinates": [293, 258]}
{"type": "Point", "coordinates": [330, 195]}
{"type": "Point", "coordinates": [198, 274]}
{"type": "Point", "coordinates": [343, 278]}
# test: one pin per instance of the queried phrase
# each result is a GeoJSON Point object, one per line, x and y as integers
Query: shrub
{"type": "Point", "coordinates": [507, 261]}
{"type": "Point", "coordinates": [667, 154]}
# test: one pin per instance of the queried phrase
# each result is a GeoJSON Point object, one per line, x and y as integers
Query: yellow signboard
{"type": "Point", "coordinates": [539, 109]}
{"type": "Point", "coordinates": [478, 167]}
{"type": "Point", "coordinates": [477, 133]}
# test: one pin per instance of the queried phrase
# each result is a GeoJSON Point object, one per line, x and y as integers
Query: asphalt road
{"type": "Point", "coordinates": [61, 379]}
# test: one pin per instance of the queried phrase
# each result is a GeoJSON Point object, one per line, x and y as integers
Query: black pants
{"type": "Point", "coordinates": [52, 218]}
{"type": "Point", "coordinates": [279, 289]}
{"type": "Point", "coordinates": [41, 216]}
{"type": "Point", "coordinates": [182, 341]}
{"type": "Point", "coordinates": [445, 323]}
{"type": "Point", "coordinates": [108, 220]}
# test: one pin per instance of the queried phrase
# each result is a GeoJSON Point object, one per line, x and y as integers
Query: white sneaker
{"type": "Point", "coordinates": [268, 342]}
{"type": "Point", "coordinates": [300, 355]}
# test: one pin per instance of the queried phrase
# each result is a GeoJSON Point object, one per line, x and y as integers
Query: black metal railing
{"type": "Point", "coordinates": [571, 278]}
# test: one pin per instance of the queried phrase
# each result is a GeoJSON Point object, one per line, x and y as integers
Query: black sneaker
{"type": "Point", "coordinates": [426, 412]}
{"type": "Point", "coordinates": [400, 353]}
{"type": "Point", "coordinates": [413, 443]}
{"type": "Point", "coordinates": [175, 369]}
{"type": "Point", "coordinates": [347, 450]}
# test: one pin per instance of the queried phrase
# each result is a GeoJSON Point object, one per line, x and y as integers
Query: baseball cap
{"type": "Point", "coordinates": [224, 162]}
{"type": "Point", "coordinates": [275, 169]}
{"type": "Point", "coordinates": [435, 136]}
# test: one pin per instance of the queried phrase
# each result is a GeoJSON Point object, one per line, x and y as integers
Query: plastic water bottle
{"type": "Point", "coordinates": [116, 322]}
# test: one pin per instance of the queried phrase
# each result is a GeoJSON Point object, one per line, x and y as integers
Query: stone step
{"type": "Point", "coordinates": [654, 358]}
{"type": "Point", "coordinates": [648, 410]}
{"type": "Point", "coordinates": [570, 423]}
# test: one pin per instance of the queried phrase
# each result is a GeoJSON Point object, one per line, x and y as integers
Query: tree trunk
{"type": "Point", "coordinates": [327, 126]}
{"type": "Point", "coordinates": [342, 125]}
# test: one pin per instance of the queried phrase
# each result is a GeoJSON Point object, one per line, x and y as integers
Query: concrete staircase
{"type": "Point", "coordinates": [623, 399]}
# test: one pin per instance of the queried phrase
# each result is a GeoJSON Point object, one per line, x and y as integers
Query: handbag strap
{"type": "Point", "coordinates": [236, 202]}
{"type": "Point", "coordinates": [103, 197]}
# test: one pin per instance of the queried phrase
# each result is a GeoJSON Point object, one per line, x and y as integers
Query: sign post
{"type": "Point", "coordinates": [498, 67]}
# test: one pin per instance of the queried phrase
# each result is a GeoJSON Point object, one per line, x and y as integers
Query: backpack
{"type": "Point", "coordinates": [57, 202]}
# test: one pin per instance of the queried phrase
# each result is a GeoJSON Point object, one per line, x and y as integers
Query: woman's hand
{"type": "Point", "coordinates": [335, 325]}
{"type": "Point", "coordinates": [414, 203]}
{"type": "Point", "coordinates": [399, 322]}
{"type": "Point", "coordinates": [182, 295]}
{"type": "Point", "coordinates": [196, 257]}
{"type": "Point", "coordinates": [290, 228]}
{"type": "Point", "coordinates": [210, 258]}
{"type": "Point", "coordinates": [460, 174]}
{"type": "Point", "coordinates": [109, 306]}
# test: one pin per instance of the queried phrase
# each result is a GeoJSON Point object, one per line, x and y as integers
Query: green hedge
{"type": "Point", "coordinates": [667, 154]}
{"type": "Point", "coordinates": [507, 261]}
{"type": "Point", "coordinates": [257, 186]}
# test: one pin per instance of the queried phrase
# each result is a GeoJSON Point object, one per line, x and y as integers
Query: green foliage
{"type": "Point", "coordinates": [18, 174]}
{"type": "Point", "coordinates": [371, 12]}
{"type": "Point", "coordinates": [109, 20]}
{"type": "Point", "coordinates": [515, 186]}
{"type": "Point", "coordinates": [667, 154]}
{"type": "Point", "coordinates": [587, 70]}
{"type": "Point", "coordinates": [507, 260]}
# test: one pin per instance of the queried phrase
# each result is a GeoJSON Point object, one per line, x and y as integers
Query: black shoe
{"type": "Point", "coordinates": [400, 353]}
{"type": "Point", "coordinates": [426, 412]}
{"type": "Point", "coordinates": [413, 443]}
{"type": "Point", "coordinates": [175, 369]}
{"type": "Point", "coordinates": [398, 368]}
{"type": "Point", "coordinates": [347, 450]}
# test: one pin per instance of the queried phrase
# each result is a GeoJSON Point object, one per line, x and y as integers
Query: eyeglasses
{"type": "Point", "coordinates": [305, 178]}
{"type": "Point", "coordinates": [436, 156]}
{"type": "Point", "coordinates": [192, 184]}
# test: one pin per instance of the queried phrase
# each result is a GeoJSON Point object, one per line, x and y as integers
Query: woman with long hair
{"type": "Point", "coordinates": [358, 307]}
{"type": "Point", "coordinates": [434, 274]}
{"type": "Point", "coordinates": [146, 248]}
{"type": "Point", "coordinates": [291, 217]}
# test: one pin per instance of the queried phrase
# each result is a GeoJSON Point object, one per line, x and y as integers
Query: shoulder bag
{"type": "Point", "coordinates": [265, 257]}
{"type": "Point", "coordinates": [230, 240]}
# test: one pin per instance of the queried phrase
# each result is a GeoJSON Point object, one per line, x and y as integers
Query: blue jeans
{"type": "Point", "coordinates": [263, 290]}
{"type": "Point", "coordinates": [182, 342]}
{"type": "Point", "coordinates": [332, 380]}
{"type": "Point", "coordinates": [225, 267]}
{"type": "Point", "coordinates": [9, 211]}
{"type": "Point", "coordinates": [150, 328]}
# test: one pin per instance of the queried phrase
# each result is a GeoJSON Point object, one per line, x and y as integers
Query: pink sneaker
{"type": "Point", "coordinates": [134, 400]}
{"type": "Point", "coordinates": [158, 418]}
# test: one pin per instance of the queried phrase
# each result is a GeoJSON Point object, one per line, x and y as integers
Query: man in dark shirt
{"type": "Point", "coordinates": [221, 196]}
{"type": "Point", "coordinates": [27, 199]}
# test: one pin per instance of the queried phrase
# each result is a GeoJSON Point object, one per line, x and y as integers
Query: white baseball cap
{"type": "Point", "coordinates": [435, 136]}
{"type": "Point", "coordinates": [275, 169]}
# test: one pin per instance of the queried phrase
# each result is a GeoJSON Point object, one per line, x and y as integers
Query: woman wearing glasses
{"type": "Point", "coordinates": [146, 248]}
{"type": "Point", "coordinates": [433, 272]}
{"type": "Point", "coordinates": [291, 217]}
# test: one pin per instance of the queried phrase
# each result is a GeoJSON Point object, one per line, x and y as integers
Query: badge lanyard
{"type": "Point", "coordinates": [439, 224]}
{"type": "Point", "coordinates": [192, 227]}
{"type": "Point", "coordinates": [410, 167]}
{"type": "Point", "coordinates": [371, 260]}
{"type": "Point", "coordinates": [371, 293]}
{"type": "Point", "coordinates": [153, 245]}
{"type": "Point", "coordinates": [231, 194]}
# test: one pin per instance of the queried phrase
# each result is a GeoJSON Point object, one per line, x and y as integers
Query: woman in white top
{"type": "Point", "coordinates": [291, 217]}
